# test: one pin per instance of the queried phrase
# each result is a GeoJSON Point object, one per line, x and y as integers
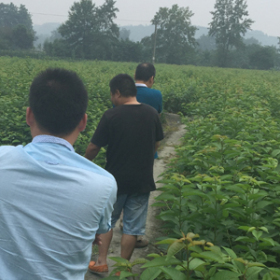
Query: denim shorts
{"type": "Point", "coordinates": [135, 208]}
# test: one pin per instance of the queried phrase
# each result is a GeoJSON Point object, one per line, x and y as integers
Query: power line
{"type": "Point", "coordinates": [43, 14]}
{"type": "Point", "coordinates": [48, 14]}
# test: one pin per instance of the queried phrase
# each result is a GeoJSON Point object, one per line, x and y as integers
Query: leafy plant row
{"type": "Point", "coordinates": [224, 182]}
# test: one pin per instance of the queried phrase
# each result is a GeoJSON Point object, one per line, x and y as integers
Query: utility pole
{"type": "Point", "coordinates": [155, 43]}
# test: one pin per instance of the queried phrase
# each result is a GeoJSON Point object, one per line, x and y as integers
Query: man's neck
{"type": "Point", "coordinates": [130, 101]}
{"type": "Point", "coordinates": [71, 138]}
{"type": "Point", "coordinates": [142, 82]}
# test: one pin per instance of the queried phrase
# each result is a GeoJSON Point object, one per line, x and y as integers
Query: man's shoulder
{"type": "Point", "coordinates": [149, 90]}
{"type": "Point", "coordinates": [4, 150]}
{"type": "Point", "coordinates": [148, 108]}
{"type": "Point", "coordinates": [91, 168]}
{"type": "Point", "coordinates": [156, 91]}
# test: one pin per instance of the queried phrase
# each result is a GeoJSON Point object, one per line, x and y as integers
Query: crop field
{"type": "Point", "coordinates": [224, 183]}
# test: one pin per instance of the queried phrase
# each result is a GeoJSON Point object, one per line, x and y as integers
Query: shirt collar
{"type": "Point", "coordinates": [140, 85]}
{"type": "Point", "coordinates": [53, 139]}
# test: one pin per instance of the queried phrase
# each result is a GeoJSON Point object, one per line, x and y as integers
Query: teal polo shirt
{"type": "Point", "coordinates": [52, 203]}
{"type": "Point", "coordinates": [149, 96]}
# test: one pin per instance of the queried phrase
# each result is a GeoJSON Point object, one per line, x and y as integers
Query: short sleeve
{"type": "Point", "coordinates": [159, 102]}
{"type": "Point", "coordinates": [159, 130]}
{"type": "Point", "coordinates": [101, 135]}
{"type": "Point", "coordinates": [105, 221]}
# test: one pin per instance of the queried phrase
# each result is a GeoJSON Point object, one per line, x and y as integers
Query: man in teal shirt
{"type": "Point", "coordinates": [144, 79]}
{"type": "Point", "coordinates": [54, 203]}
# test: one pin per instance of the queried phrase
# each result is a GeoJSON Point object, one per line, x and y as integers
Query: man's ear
{"type": "Point", "coordinates": [30, 119]}
{"type": "Point", "coordinates": [83, 123]}
{"type": "Point", "coordinates": [118, 94]}
{"type": "Point", "coordinates": [150, 82]}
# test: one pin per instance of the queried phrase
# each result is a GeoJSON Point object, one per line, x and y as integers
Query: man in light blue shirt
{"type": "Point", "coordinates": [53, 202]}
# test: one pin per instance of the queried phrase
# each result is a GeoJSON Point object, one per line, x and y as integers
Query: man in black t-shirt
{"type": "Point", "coordinates": [131, 131]}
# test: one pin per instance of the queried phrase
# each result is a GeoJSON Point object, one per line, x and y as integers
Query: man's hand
{"type": "Point", "coordinates": [97, 240]}
{"type": "Point", "coordinates": [92, 151]}
{"type": "Point", "coordinates": [157, 145]}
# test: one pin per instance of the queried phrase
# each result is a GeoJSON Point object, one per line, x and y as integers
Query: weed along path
{"type": "Point", "coordinates": [174, 131]}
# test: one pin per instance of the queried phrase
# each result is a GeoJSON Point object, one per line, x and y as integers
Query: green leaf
{"type": "Point", "coordinates": [275, 270]}
{"type": "Point", "coordinates": [120, 261]}
{"type": "Point", "coordinates": [257, 234]}
{"type": "Point", "coordinates": [267, 276]}
{"type": "Point", "coordinates": [245, 239]}
{"type": "Point", "coordinates": [161, 261]}
{"type": "Point", "coordinates": [150, 273]}
{"type": "Point", "coordinates": [139, 261]}
{"type": "Point", "coordinates": [253, 272]}
{"type": "Point", "coordinates": [230, 253]}
{"type": "Point", "coordinates": [210, 256]}
{"type": "Point", "coordinates": [166, 196]}
{"type": "Point", "coordinates": [174, 273]}
{"type": "Point", "coordinates": [167, 241]}
{"type": "Point", "coordinates": [244, 228]}
{"type": "Point", "coordinates": [175, 248]}
{"type": "Point", "coordinates": [125, 274]}
{"type": "Point", "coordinates": [256, 264]}
{"type": "Point", "coordinates": [226, 275]}
{"type": "Point", "coordinates": [264, 229]}
{"type": "Point", "coordinates": [194, 263]}
{"type": "Point", "coordinates": [111, 278]}
{"type": "Point", "coordinates": [153, 255]}
{"type": "Point", "coordinates": [275, 153]}
{"type": "Point", "coordinates": [268, 240]}
{"type": "Point", "coordinates": [263, 204]}
{"type": "Point", "coordinates": [212, 271]}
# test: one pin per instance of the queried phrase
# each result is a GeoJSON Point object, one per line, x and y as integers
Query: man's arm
{"type": "Point", "coordinates": [160, 103]}
{"type": "Point", "coordinates": [92, 151]}
{"type": "Point", "coordinates": [157, 145]}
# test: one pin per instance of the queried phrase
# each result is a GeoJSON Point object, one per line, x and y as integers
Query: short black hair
{"type": "Point", "coordinates": [144, 71]}
{"type": "Point", "coordinates": [124, 84]}
{"type": "Point", "coordinates": [58, 100]}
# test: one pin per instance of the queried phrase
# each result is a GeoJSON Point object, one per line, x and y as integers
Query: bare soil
{"type": "Point", "coordinates": [174, 131]}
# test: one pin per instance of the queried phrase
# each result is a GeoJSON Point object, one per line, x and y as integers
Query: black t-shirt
{"type": "Point", "coordinates": [130, 131]}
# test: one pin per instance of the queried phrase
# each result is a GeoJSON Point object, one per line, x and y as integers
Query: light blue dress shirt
{"type": "Point", "coordinates": [52, 203]}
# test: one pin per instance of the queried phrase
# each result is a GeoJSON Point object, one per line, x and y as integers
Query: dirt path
{"type": "Point", "coordinates": [175, 132]}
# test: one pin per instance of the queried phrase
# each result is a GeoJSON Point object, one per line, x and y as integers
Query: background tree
{"type": "Point", "coordinates": [16, 30]}
{"type": "Point", "coordinates": [124, 34]}
{"type": "Point", "coordinates": [175, 35]}
{"type": "Point", "coordinates": [90, 30]}
{"type": "Point", "coordinates": [228, 24]}
{"type": "Point", "coordinates": [79, 30]}
{"type": "Point", "coordinates": [263, 58]}
{"type": "Point", "coordinates": [108, 34]}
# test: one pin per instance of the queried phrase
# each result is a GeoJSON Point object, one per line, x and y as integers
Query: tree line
{"type": "Point", "coordinates": [90, 33]}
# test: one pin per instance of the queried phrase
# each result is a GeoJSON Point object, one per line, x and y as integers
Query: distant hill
{"type": "Point", "coordinates": [46, 28]}
{"type": "Point", "coordinates": [44, 31]}
{"type": "Point", "coordinates": [137, 32]}
{"type": "Point", "coordinates": [263, 38]}
{"type": "Point", "coordinates": [140, 31]}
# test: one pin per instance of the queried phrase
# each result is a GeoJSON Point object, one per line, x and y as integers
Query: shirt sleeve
{"type": "Point", "coordinates": [105, 221]}
{"type": "Point", "coordinates": [159, 130]}
{"type": "Point", "coordinates": [159, 102]}
{"type": "Point", "coordinates": [101, 135]}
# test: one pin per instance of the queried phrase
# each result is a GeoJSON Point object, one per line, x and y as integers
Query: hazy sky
{"type": "Point", "coordinates": [265, 13]}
